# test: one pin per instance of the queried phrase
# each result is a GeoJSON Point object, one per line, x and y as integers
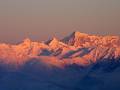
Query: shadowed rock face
{"type": "Point", "coordinates": [77, 62]}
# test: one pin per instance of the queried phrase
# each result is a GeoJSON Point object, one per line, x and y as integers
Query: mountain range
{"type": "Point", "coordinates": [77, 62]}
{"type": "Point", "coordinates": [77, 48]}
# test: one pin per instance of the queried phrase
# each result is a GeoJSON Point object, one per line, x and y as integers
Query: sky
{"type": "Point", "coordinates": [43, 19]}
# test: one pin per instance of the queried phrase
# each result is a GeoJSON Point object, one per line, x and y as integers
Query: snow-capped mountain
{"type": "Point", "coordinates": [77, 62]}
{"type": "Point", "coordinates": [79, 48]}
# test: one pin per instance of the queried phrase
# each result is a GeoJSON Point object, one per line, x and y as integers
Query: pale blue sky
{"type": "Point", "coordinates": [42, 19]}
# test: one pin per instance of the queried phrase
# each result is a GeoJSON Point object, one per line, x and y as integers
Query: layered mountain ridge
{"type": "Point", "coordinates": [77, 48]}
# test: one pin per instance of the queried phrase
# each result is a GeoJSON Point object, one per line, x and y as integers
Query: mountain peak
{"type": "Point", "coordinates": [77, 34]}
{"type": "Point", "coordinates": [74, 37]}
{"type": "Point", "coordinates": [27, 40]}
{"type": "Point", "coordinates": [54, 40]}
